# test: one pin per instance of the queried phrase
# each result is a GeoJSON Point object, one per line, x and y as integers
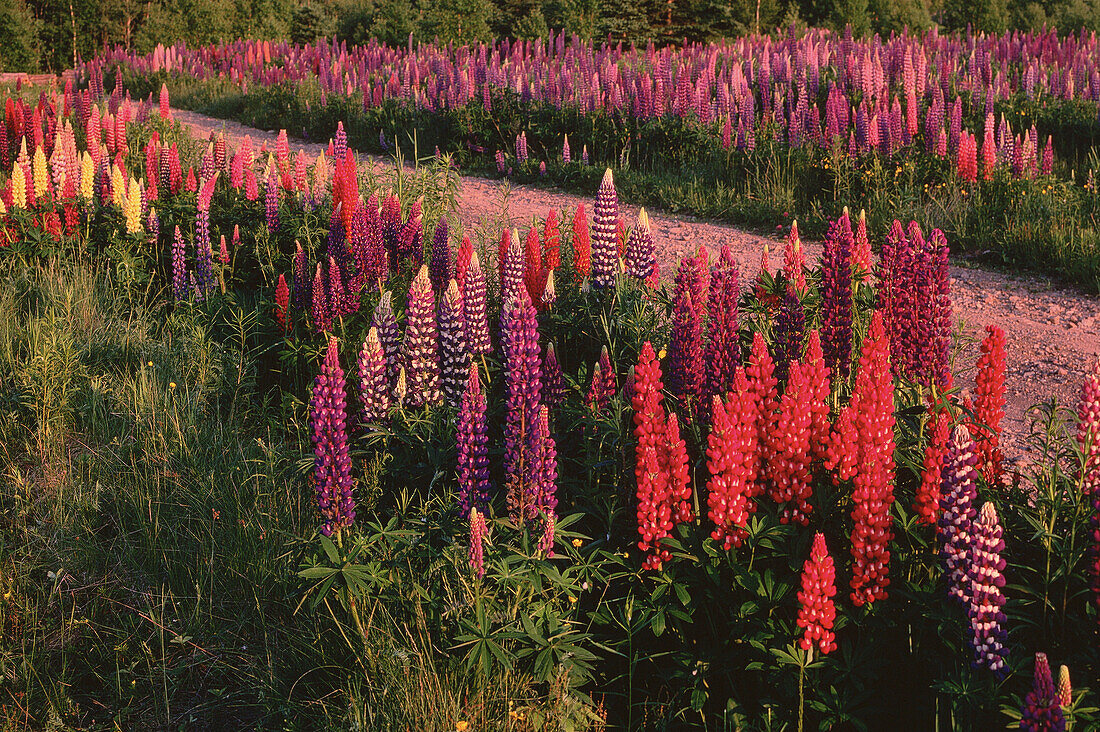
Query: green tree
{"type": "Point", "coordinates": [19, 49]}
{"type": "Point", "coordinates": [458, 21]}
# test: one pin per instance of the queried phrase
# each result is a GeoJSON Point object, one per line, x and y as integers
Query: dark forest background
{"type": "Point", "coordinates": [46, 35]}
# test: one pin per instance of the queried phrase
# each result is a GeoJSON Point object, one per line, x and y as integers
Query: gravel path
{"type": "Point", "coordinates": [1052, 333]}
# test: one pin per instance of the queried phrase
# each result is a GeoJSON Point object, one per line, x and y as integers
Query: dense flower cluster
{"type": "Point", "coordinates": [989, 406]}
{"type": "Point", "coordinates": [836, 296]}
{"type": "Point", "coordinates": [605, 257]}
{"type": "Point", "coordinates": [420, 344]}
{"type": "Point", "coordinates": [454, 354]}
{"type": "Point", "coordinates": [473, 446]}
{"type": "Point", "coordinates": [332, 479]}
{"type": "Point", "coordinates": [816, 609]}
{"type": "Point", "coordinates": [958, 493]}
{"type": "Point", "coordinates": [374, 390]}
{"type": "Point", "coordinates": [927, 502]}
{"type": "Point", "coordinates": [523, 388]}
{"type": "Point", "coordinates": [987, 601]}
{"type": "Point", "coordinates": [732, 463]}
{"type": "Point", "coordinates": [640, 258]}
{"type": "Point", "coordinates": [722, 353]}
{"type": "Point", "coordinates": [1042, 710]}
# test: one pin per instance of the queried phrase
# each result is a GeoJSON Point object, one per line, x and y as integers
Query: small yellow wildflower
{"type": "Point", "coordinates": [662, 353]}
{"type": "Point", "coordinates": [462, 725]}
{"type": "Point", "coordinates": [171, 385]}
{"type": "Point", "coordinates": [577, 543]}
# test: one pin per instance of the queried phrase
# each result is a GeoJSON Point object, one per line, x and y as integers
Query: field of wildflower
{"type": "Point", "coordinates": [288, 445]}
{"type": "Point", "coordinates": [987, 138]}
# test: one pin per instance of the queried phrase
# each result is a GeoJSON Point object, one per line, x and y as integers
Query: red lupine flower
{"type": "Point", "coordinates": [990, 403]}
{"type": "Point", "coordinates": [817, 376]}
{"type": "Point", "coordinates": [794, 260]}
{"type": "Point", "coordinates": [534, 275]}
{"type": "Point", "coordinates": [788, 450]}
{"type": "Point", "coordinates": [927, 503]}
{"type": "Point", "coordinates": [816, 611]}
{"type": "Point", "coordinates": [282, 302]}
{"type": "Point", "coordinates": [582, 244]}
{"type": "Point", "coordinates": [462, 263]}
{"type": "Point", "coordinates": [551, 242]}
{"type": "Point", "coordinates": [731, 462]}
{"type": "Point", "coordinates": [762, 384]}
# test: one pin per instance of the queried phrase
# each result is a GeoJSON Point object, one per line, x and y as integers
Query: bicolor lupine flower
{"type": "Point", "coordinates": [474, 309]}
{"type": "Point", "coordinates": [640, 259]}
{"type": "Point", "coordinates": [473, 446]}
{"type": "Point", "coordinates": [958, 493]}
{"type": "Point", "coordinates": [732, 463]}
{"type": "Point", "coordinates": [389, 336]}
{"type": "Point", "coordinates": [179, 267]}
{"type": "Point", "coordinates": [374, 389]}
{"type": "Point", "coordinates": [836, 296]}
{"type": "Point", "coordinates": [553, 381]}
{"type": "Point", "coordinates": [479, 537]}
{"type": "Point", "coordinates": [204, 255]}
{"type": "Point", "coordinates": [454, 353]}
{"type": "Point", "coordinates": [420, 344]}
{"type": "Point", "coordinates": [410, 244]}
{"type": "Point", "coordinates": [987, 601]}
{"type": "Point", "coordinates": [523, 387]}
{"type": "Point", "coordinates": [442, 269]}
{"type": "Point", "coordinates": [604, 249]}
{"type": "Point", "coordinates": [927, 502]}
{"type": "Point", "coordinates": [722, 354]}
{"type": "Point", "coordinates": [332, 479]}
{"type": "Point", "coordinates": [816, 609]}
{"type": "Point", "coordinates": [512, 270]}
{"type": "Point", "coordinates": [794, 260]}
{"type": "Point", "coordinates": [282, 304]}
{"type": "Point", "coordinates": [989, 405]}
{"type": "Point", "coordinates": [1042, 710]}
{"type": "Point", "coordinates": [582, 245]}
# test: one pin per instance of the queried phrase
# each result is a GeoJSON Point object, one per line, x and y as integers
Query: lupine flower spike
{"type": "Point", "coordinates": [817, 611]}
{"type": "Point", "coordinates": [332, 479]}
{"type": "Point", "coordinates": [473, 446]}
{"type": "Point", "coordinates": [1042, 710]}
{"type": "Point", "coordinates": [374, 392]}
{"type": "Point", "coordinates": [990, 403]}
{"type": "Point", "coordinates": [479, 537]}
{"type": "Point", "coordinates": [604, 248]}
{"type": "Point", "coordinates": [987, 601]}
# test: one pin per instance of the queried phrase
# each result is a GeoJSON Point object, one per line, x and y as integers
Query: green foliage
{"type": "Point", "coordinates": [19, 44]}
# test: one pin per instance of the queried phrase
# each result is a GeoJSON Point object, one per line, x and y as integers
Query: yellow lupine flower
{"type": "Point", "coordinates": [3, 208]}
{"type": "Point", "coordinates": [87, 177]}
{"type": "Point", "coordinates": [41, 182]}
{"type": "Point", "coordinates": [132, 209]}
{"type": "Point", "coordinates": [118, 187]}
{"type": "Point", "coordinates": [18, 187]}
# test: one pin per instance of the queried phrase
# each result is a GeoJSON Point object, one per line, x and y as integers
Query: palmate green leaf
{"type": "Point", "coordinates": [317, 572]}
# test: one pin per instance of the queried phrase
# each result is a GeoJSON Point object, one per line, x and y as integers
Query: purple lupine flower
{"type": "Point", "coordinates": [640, 257]}
{"type": "Point", "coordinates": [152, 225]}
{"type": "Point", "coordinates": [453, 352]}
{"type": "Point", "coordinates": [390, 223]}
{"type": "Point", "coordinates": [374, 390]}
{"type": "Point", "coordinates": [584, 155]}
{"type": "Point", "coordinates": [987, 601]}
{"type": "Point", "coordinates": [553, 382]}
{"type": "Point", "coordinates": [374, 248]}
{"type": "Point", "coordinates": [340, 144]}
{"type": "Point", "coordinates": [501, 162]}
{"type": "Point", "coordinates": [382, 143]}
{"type": "Point", "coordinates": [521, 148]}
{"type": "Point", "coordinates": [685, 346]}
{"type": "Point", "coordinates": [336, 297]}
{"type": "Point", "coordinates": [271, 201]}
{"type": "Point", "coordinates": [479, 536]}
{"type": "Point", "coordinates": [523, 385]}
{"type": "Point", "coordinates": [332, 477]}
{"type": "Point", "coordinates": [441, 266]}
{"type": "Point", "coordinates": [512, 270]}
{"type": "Point", "coordinates": [566, 157]}
{"type": "Point", "coordinates": [790, 329]}
{"type": "Point", "coordinates": [179, 267]}
{"type": "Point", "coordinates": [605, 250]}
{"type": "Point", "coordinates": [836, 296]}
{"type": "Point", "coordinates": [410, 244]}
{"type": "Point", "coordinates": [958, 492]}
{"type": "Point", "coordinates": [420, 345]}
{"type": "Point", "coordinates": [472, 437]}
{"type": "Point", "coordinates": [941, 319]}
{"type": "Point", "coordinates": [474, 309]}
{"type": "Point", "coordinates": [321, 311]}
{"type": "Point", "coordinates": [542, 450]}
{"type": "Point", "coordinates": [204, 255]}
{"type": "Point", "coordinates": [722, 354]}
{"type": "Point", "coordinates": [1048, 157]}
{"type": "Point", "coordinates": [1042, 710]}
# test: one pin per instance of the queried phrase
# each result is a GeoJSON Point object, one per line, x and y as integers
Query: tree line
{"type": "Point", "coordinates": [48, 35]}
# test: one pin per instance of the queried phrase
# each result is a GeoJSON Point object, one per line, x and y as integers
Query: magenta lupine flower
{"type": "Point", "coordinates": [453, 351]}
{"type": "Point", "coordinates": [474, 309]}
{"type": "Point", "coordinates": [374, 390]}
{"type": "Point", "coordinates": [523, 385]}
{"type": "Point", "coordinates": [472, 437]}
{"type": "Point", "coordinates": [332, 477]}
{"type": "Point", "coordinates": [501, 163]}
{"type": "Point", "coordinates": [521, 148]}
{"type": "Point", "coordinates": [336, 297]}
{"type": "Point", "coordinates": [179, 267]}
{"type": "Point", "coordinates": [512, 270]}
{"type": "Point", "coordinates": [420, 345]}
{"type": "Point", "coordinates": [441, 266]}
{"type": "Point", "coordinates": [604, 385]}
{"type": "Point", "coordinates": [1042, 711]}
{"type": "Point", "coordinates": [605, 250]}
{"type": "Point", "coordinates": [340, 143]}
{"type": "Point", "coordinates": [372, 246]}
{"type": "Point", "coordinates": [204, 255]}
{"type": "Point", "coordinates": [566, 157]}
{"type": "Point", "coordinates": [542, 450]}
{"type": "Point", "coordinates": [790, 329]}
{"type": "Point", "coordinates": [723, 350]}
{"type": "Point", "coordinates": [584, 155]}
{"type": "Point", "coordinates": [685, 347]}
{"type": "Point", "coordinates": [553, 382]}
{"type": "Point", "coordinates": [390, 222]}
{"type": "Point", "coordinates": [640, 257]}
{"type": "Point", "coordinates": [1088, 438]}
{"type": "Point", "coordinates": [987, 601]}
{"type": "Point", "coordinates": [321, 311]}
{"type": "Point", "coordinates": [479, 537]}
{"type": "Point", "coordinates": [410, 246]}
{"type": "Point", "coordinates": [271, 201]}
{"type": "Point", "coordinates": [385, 322]}
{"type": "Point", "coordinates": [223, 252]}
{"type": "Point", "coordinates": [836, 296]}
{"type": "Point", "coordinates": [958, 492]}
{"type": "Point", "coordinates": [1048, 157]}
{"type": "Point", "coordinates": [303, 294]}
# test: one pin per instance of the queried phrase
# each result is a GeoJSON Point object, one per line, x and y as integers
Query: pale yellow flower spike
{"type": "Point", "coordinates": [87, 177]}
{"type": "Point", "coordinates": [41, 174]}
{"type": "Point", "coordinates": [18, 187]}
